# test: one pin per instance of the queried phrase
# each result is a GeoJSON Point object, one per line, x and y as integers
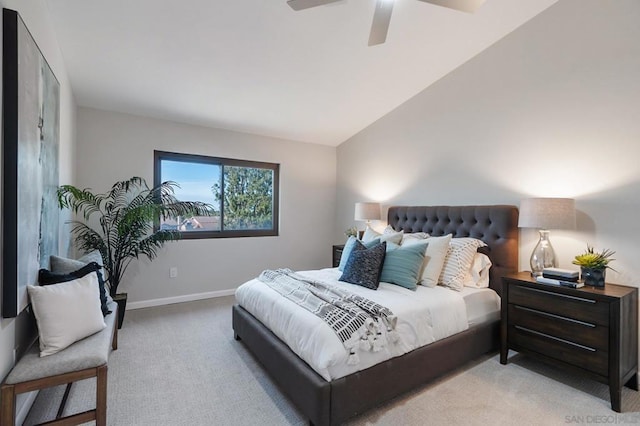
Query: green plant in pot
{"type": "Point", "coordinates": [120, 224]}
{"type": "Point", "coordinates": [593, 265]}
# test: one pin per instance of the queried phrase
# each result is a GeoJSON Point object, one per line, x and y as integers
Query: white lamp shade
{"type": "Point", "coordinates": [547, 213]}
{"type": "Point", "coordinates": [367, 211]}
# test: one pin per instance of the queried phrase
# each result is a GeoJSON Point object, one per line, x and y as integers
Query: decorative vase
{"type": "Point", "coordinates": [593, 276]}
{"type": "Point", "coordinates": [121, 300]}
{"type": "Point", "coordinates": [543, 255]}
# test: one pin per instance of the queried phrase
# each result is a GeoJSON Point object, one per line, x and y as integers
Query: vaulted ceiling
{"type": "Point", "coordinates": [257, 66]}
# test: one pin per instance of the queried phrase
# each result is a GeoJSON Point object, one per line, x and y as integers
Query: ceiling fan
{"type": "Point", "coordinates": [382, 15]}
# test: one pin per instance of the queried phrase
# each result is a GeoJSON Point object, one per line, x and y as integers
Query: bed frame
{"type": "Point", "coordinates": [330, 403]}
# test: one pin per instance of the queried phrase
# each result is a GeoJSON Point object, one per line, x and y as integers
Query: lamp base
{"type": "Point", "coordinates": [543, 255]}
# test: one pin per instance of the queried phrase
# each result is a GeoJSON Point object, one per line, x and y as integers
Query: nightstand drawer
{"type": "Point", "coordinates": [591, 359]}
{"type": "Point", "coordinates": [576, 307]}
{"type": "Point", "coordinates": [585, 333]}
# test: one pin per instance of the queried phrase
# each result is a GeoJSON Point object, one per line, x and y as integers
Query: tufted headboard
{"type": "Point", "coordinates": [496, 225]}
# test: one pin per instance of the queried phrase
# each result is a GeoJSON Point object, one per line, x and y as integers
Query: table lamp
{"type": "Point", "coordinates": [544, 214]}
{"type": "Point", "coordinates": [367, 212]}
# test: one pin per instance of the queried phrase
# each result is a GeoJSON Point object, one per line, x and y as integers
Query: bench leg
{"type": "Point", "coordinates": [8, 406]}
{"type": "Point", "coordinates": [101, 396]}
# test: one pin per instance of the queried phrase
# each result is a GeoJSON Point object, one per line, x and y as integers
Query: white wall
{"type": "Point", "coordinates": [114, 146]}
{"type": "Point", "coordinates": [35, 15]}
{"type": "Point", "coordinates": [550, 110]}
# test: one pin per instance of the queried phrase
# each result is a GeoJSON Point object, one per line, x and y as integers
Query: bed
{"type": "Point", "coordinates": [326, 402]}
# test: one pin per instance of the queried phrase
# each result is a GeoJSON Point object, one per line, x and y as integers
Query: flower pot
{"type": "Point", "coordinates": [121, 300]}
{"type": "Point", "coordinates": [593, 276]}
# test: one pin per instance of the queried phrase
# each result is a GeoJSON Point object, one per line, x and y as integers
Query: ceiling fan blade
{"type": "Point", "coordinates": [468, 6]}
{"type": "Point", "coordinates": [306, 4]}
{"type": "Point", "coordinates": [381, 19]}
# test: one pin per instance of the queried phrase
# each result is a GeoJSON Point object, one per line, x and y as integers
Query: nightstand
{"type": "Point", "coordinates": [594, 331]}
{"type": "Point", "coordinates": [337, 254]}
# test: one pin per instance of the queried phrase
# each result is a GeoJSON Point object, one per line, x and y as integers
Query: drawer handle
{"type": "Point", "coordinates": [556, 338]}
{"type": "Point", "coordinates": [582, 299]}
{"type": "Point", "coordinates": [547, 314]}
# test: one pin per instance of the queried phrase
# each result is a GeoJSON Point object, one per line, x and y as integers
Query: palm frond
{"type": "Point", "coordinates": [125, 218]}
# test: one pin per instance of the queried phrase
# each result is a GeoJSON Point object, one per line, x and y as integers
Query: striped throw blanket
{"type": "Point", "coordinates": [359, 323]}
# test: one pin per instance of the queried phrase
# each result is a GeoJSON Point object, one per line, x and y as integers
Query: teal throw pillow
{"type": "Point", "coordinates": [346, 251]}
{"type": "Point", "coordinates": [403, 264]}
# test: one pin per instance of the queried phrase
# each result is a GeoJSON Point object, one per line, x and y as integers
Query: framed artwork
{"type": "Point", "coordinates": [31, 121]}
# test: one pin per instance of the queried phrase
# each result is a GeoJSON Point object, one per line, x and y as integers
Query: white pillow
{"type": "Point", "coordinates": [458, 261]}
{"type": "Point", "coordinates": [478, 274]}
{"type": "Point", "coordinates": [415, 236]}
{"type": "Point", "coordinates": [369, 235]}
{"type": "Point", "coordinates": [66, 312]}
{"type": "Point", "coordinates": [434, 258]}
{"type": "Point", "coordinates": [388, 235]}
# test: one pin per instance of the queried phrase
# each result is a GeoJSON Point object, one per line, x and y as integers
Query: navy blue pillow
{"type": "Point", "coordinates": [364, 265]}
{"type": "Point", "coordinates": [46, 277]}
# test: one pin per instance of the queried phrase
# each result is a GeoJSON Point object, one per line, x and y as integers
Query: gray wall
{"type": "Point", "coordinates": [114, 146]}
{"type": "Point", "coordinates": [550, 110]}
{"type": "Point", "coordinates": [35, 15]}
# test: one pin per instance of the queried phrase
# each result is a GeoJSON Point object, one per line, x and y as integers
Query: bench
{"type": "Point", "coordinates": [82, 360]}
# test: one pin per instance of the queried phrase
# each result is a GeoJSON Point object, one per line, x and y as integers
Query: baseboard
{"type": "Point", "coordinates": [179, 299]}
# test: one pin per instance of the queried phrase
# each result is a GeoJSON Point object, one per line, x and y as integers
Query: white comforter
{"type": "Point", "coordinates": [424, 316]}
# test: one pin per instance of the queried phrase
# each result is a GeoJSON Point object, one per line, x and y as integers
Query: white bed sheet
{"type": "Point", "coordinates": [483, 305]}
{"type": "Point", "coordinates": [424, 316]}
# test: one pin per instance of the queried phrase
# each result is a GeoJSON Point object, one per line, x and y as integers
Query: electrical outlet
{"type": "Point", "coordinates": [173, 272]}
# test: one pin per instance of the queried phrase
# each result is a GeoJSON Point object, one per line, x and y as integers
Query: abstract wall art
{"type": "Point", "coordinates": [30, 121]}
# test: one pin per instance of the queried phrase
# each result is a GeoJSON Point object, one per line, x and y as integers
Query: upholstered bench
{"type": "Point", "coordinates": [82, 360]}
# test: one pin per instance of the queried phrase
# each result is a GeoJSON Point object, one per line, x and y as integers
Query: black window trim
{"type": "Point", "coordinates": [158, 156]}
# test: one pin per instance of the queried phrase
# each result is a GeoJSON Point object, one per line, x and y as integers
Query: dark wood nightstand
{"type": "Point", "coordinates": [337, 254]}
{"type": "Point", "coordinates": [591, 330]}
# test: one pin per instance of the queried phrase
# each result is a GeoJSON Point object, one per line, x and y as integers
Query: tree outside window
{"type": "Point", "coordinates": [243, 193]}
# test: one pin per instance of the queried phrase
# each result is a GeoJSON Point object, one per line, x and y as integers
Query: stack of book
{"type": "Point", "coordinates": [562, 277]}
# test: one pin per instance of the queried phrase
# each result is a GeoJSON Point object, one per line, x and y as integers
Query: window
{"type": "Point", "coordinates": [244, 194]}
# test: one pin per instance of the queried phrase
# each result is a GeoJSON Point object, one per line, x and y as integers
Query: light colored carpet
{"type": "Point", "coordinates": [179, 365]}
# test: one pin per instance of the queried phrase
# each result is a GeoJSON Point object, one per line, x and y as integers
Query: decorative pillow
{"type": "Point", "coordinates": [346, 251]}
{"type": "Point", "coordinates": [364, 265]}
{"type": "Point", "coordinates": [391, 236]}
{"type": "Point", "coordinates": [434, 257]}
{"type": "Point", "coordinates": [478, 274]}
{"type": "Point", "coordinates": [369, 235]}
{"type": "Point", "coordinates": [46, 277]}
{"type": "Point", "coordinates": [414, 236]}
{"type": "Point", "coordinates": [402, 265]}
{"type": "Point", "coordinates": [348, 248]}
{"type": "Point", "coordinates": [66, 312]}
{"type": "Point", "coordinates": [388, 235]}
{"type": "Point", "coordinates": [458, 261]}
{"type": "Point", "coordinates": [63, 265]}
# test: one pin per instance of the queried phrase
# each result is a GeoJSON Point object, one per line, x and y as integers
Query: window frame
{"type": "Point", "coordinates": [158, 156]}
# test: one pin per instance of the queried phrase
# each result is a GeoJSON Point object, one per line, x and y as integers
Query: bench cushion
{"type": "Point", "coordinates": [89, 352]}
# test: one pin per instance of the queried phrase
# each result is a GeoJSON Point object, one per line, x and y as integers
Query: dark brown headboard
{"type": "Point", "coordinates": [495, 225]}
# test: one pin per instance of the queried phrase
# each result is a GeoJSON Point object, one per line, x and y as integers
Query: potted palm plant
{"type": "Point", "coordinates": [593, 265]}
{"type": "Point", "coordinates": [120, 224]}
